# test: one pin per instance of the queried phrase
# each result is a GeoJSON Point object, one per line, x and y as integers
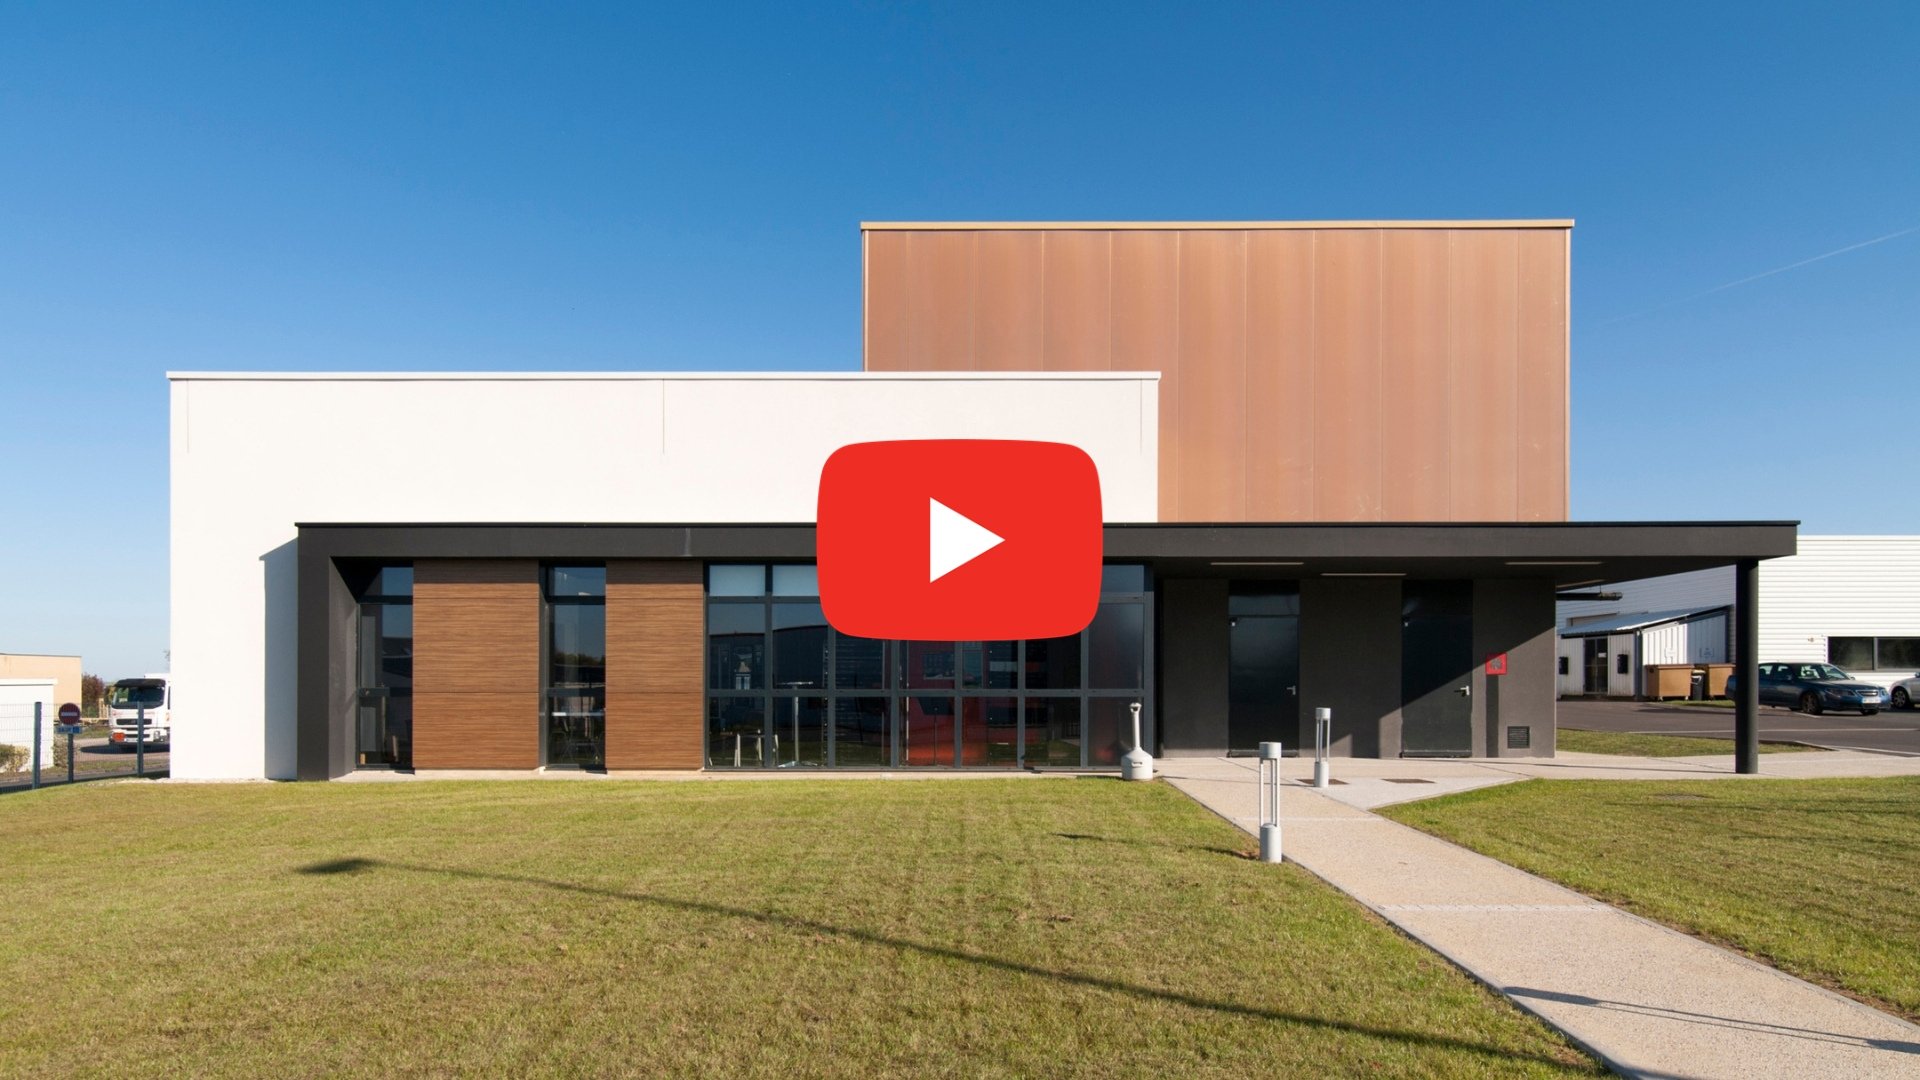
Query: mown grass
{"type": "Point", "coordinates": [1818, 877]}
{"type": "Point", "coordinates": [860, 928]}
{"type": "Point", "coordinates": [1639, 744]}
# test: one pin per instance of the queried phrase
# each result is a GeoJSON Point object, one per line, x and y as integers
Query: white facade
{"type": "Point", "coordinates": [255, 454]}
{"type": "Point", "coordinates": [1836, 586]}
{"type": "Point", "coordinates": [1699, 640]}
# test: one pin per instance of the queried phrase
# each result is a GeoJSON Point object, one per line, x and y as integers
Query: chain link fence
{"type": "Point", "coordinates": [92, 754]}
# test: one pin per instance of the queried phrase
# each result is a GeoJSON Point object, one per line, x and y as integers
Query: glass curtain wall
{"type": "Point", "coordinates": [784, 690]}
{"type": "Point", "coordinates": [576, 669]}
{"type": "Point", "coordinates": [383, 703]}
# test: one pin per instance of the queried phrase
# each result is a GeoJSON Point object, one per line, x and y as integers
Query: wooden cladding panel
{"type": "Point", "coordinates": [654, 731]}
{"type": "Point", "coordinates": [1362, 374]}
{"type": "Point", "coordinates": [484, 646]}
{"type": "Point", "coordinates": [476, 731]}
{"type": "Point", "coordinates": [476, 641]}
{"type": "Point", "coordinates": [656, 644]}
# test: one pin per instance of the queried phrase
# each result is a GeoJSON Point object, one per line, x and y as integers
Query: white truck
{"type": "Point", "coordinates": [127, 697]}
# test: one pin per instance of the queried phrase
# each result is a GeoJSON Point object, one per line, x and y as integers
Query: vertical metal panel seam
{"type": "Point", "coordinates": [1246, 430]}
{"type": "Point", "coordinates": [1446, 305]}
{"type": "Point", "coordinates": [1043, 303]}
{"type": "Point", "coordinates": [973, 301]}
{"type": "Point", "coordinates": [1566, 381]}
{"type": "Point", "coordinates": [1379, 377]}
{"type": "Point", "coordinates": [866, 304]}
{"type": "Point", "coordinates": [1313, 376]}
{"type": "Point", "coordinates": [1179, 342]}
{"type": "Point", "coordinates": [1514, 330]}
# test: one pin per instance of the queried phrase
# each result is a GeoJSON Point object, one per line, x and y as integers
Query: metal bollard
{"type": "Point", "coordinates": [36, 746]}
{"type": "Point", "coordinates": [1270, 802]}
{"type": "Point", "coordinates": [1322, 734]}
{"type": "Point", "coordinates": [140, 744]}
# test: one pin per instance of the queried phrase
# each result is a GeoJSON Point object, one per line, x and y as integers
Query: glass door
{"type": "Point", "coordinates": [383, 700]}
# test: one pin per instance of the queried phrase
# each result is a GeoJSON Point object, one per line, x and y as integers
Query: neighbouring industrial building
{"type": "Point", "coordinates": [1333, 467]}
{"type": "Point", "coordinates": [1851, 601]}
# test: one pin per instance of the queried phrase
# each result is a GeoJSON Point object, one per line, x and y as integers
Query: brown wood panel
{"type": "Point", "coordinates": [1280, 372]}
{"type": "Point", "coordinates": [1541, 397]}
{"type": "Point", "coordinates": [1347, 420]}
{"type": "Point", "coordinates": [1210, 477]}
{"type": "Point", "coordinates": [476, 731]}
{"type": "Point", "coordinates": [939, 296]}
{"type": "Point", "coordinates": [1483, 273]}
{"type": "Point", "coordinates": [483, 646]}
{"type": "Point", "coordinates": [1009, 297]}
{"type": "Point", "coordinates": [1415, 475]}
{"type": "Point", "coordinates": [654, 731]}
{"type": "Point", "coordinates": [475, 579]}
{"type": "Point", "coordinates": [1146, 332]}
{"type": "Point", "coordinates": [656, 628]}
{"type": "Point", "coordinates": [884, 307]}
{"type": "Point", "coordinates": [1078, 335]}
{"type": "Point", "coordinates": [476, 663]}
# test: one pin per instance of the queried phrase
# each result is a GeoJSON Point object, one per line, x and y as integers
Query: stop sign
{"type": "Point", "coordinates": [69, 713]}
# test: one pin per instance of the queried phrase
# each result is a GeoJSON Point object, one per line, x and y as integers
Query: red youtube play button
{"type": "Point", "coordinates": [959, 539]}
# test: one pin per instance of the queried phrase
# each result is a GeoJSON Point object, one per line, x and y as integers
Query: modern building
{"type": "Point", "coordinates": [1608, 657]}
{"type": "Point", "coordinates": [1852, 601]}
{"type": "Point", "coordinates": [1333, 464]}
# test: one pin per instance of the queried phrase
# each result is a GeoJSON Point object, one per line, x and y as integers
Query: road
{"type": "Point", "coordinates": [1893, 732]}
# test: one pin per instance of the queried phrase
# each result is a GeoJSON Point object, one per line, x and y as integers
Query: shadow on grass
{"type": "Point", "coordinates": [1662, 1012]}
{"type": "Point", "coordinates": [1205, 849]}
{"type": "Point", "coordinates": [340, 867]}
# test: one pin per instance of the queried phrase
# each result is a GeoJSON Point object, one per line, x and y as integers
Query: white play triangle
{"type": "Point", "coordinates": [954, 540]}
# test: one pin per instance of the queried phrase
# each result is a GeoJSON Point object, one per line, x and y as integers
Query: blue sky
{"type": "Point", "coordinates": [491, 186]}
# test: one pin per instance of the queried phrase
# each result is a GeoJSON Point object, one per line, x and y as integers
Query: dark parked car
{"type": "Point", "coordinates": [1815, 688]}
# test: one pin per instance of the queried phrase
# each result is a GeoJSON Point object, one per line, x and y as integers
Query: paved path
{"type": "Point", "coordinates": [1647, 1000]}
{"type": "Point", "coordinates": [1893, 731]}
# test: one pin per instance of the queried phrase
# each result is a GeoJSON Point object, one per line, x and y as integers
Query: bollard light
{"type": "Point", "coordinates": [1322, 734]}
{"type": "Point", "coordinates": [1269, 802]}
{"type": "Point", "coordinates": [1136, 764]}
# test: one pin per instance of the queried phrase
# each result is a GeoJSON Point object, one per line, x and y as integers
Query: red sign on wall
{"type": "Point", "coordinates": [1497, 663]}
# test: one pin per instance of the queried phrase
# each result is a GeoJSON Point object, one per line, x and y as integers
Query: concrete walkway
{"type": "Point", "coordinates": [1647, 1000]}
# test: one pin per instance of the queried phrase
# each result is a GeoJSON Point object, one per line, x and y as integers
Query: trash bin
{"type": "Point", "coordinates": [1698, 690]}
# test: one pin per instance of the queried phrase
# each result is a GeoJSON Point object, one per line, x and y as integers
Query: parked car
{"type": "Point", "coordinates": [1906, 692]}
{"type": "Point", "coordinates": [1813, 688]}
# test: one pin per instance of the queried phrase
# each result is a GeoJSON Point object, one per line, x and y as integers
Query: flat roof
{"type": "Point", "coordinates": [1568, 554]}
{"type": "Point", "coordinates": [1196, 226]}
{"type": "Point", "coordinates": [654, 376]}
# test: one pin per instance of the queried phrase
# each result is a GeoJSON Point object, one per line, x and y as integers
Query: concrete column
{"type": "Point", "coordinates": [1746, 661]}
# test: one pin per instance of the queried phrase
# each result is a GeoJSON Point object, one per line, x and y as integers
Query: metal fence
{"type": "Point", "coordinates": [56, 758]}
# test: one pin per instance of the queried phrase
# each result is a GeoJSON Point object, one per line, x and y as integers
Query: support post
{"type": "Point", "coordinates": [140, 744]}
{"type": "Point", "coordinates": [36, 745]}
{"type": "Point", "coordinates": [1746, 661]}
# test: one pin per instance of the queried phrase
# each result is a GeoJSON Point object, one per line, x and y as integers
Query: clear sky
{"type": "Point", "coordinates": [390, 186]}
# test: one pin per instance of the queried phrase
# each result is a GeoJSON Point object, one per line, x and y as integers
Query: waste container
{"type": "Point", "coordinates": [1697, 691]}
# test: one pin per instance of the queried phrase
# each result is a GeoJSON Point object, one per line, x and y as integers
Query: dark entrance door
{"type": "Point", "coordinates": [1436, 669]}
{"type": "Point", "coordinates": [1596, 665]}
{"type": "Point", "coordinates": [1263, 665]}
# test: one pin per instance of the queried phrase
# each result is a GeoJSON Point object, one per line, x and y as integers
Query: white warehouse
{"type": "Point", "coordinates": [1852, 601]}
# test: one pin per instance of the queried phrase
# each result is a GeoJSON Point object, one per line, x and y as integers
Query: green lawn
{"type": "Point", "coordinates": [1819, 877]}
{"type": "Point", "coordinates": [862, 928]}
{"type": "Point", "coordinates": [1623, 742]}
